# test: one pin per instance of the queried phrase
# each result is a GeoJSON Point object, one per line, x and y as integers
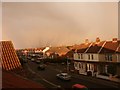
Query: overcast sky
{"type": "Point", "coordinates": [43, 24]}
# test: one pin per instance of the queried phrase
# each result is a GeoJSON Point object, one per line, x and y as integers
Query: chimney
{"type": "Point", "coordinates": [114, 40]}
{"type": "Point", "coordinates": [86, 41]}
{"type": "Point", "coordinates": [97, 39]}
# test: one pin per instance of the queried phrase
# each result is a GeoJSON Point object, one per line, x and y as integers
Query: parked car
{"type": "Point", "coordinates": [41, 67]}
{"type": "Point", "coordinates": [79, 87]}
{"type": "Point", "coordinates": [25, 60]}
{"type": "Point", "coordinates": [63, 63]}
{"type": "Point", "coordinates": [32, 59]}
{"type": "Point", "coordinates": [64, 76]}
{"type": "Point", "coordinates": [29, 58]}
{"type": "Point", "coordinates": [37, 61]}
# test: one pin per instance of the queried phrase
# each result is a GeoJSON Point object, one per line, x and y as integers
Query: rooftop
{"type": "Point", "coordinates": [11, 80]}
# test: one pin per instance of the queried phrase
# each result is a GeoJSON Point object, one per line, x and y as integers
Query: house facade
{"type": "Point", "coordinates": [99, 58]}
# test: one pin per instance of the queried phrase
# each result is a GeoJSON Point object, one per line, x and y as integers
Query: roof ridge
{"type": "Point", "coordinates": [88, 47]}
{"type": "Point", "coordinates": [102, 47]}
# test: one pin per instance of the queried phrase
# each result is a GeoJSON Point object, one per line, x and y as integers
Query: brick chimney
{"type": "Point", "coordinates": [86, 41]}
{"type": "Point", "coordinates": [114, 40]}
{"type": "Point", "coordinates": [97, 39]}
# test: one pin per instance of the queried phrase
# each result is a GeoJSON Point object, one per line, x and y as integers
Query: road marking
{"type": "Point", "coordinates": [58, 86]}
{"type": "Point", "coordinates": [51, 83]}
{"type": "Point", "coordinates": [31, 70]}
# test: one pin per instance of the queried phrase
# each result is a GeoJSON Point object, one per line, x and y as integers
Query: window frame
{"type": "Point", "coordinates": [92, 57]}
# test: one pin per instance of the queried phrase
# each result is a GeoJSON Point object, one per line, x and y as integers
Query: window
{"type": "Point", "coordinates": [89, 56]}
{"type": "Point", "coordinates": [75, 64]}
{"type": "Point", "coordinates": [79, 65]}
{"type": "Point", "coordinates": [106, 67]}
{"type": "Point", "coordinates": [92, 57]}
{"type": "Point", "coordinates": [78, 56]}
{"type": "Point", "coordinates": [88, 67]}
{"type": "Point", "coordinates": [82, 65]}
{"type": "Point", "coordinates": [81, 56]}
{"type": "Point", "coordinates": [108, 57]}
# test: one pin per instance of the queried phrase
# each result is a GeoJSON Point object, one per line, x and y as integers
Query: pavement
{"type": "Point", "coordinates": [98, 80]}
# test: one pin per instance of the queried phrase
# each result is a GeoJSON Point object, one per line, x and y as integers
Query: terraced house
{"type": "Point", "coordinates": [99, 58]}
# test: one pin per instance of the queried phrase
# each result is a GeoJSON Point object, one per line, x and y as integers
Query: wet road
{"type": "Point", "coordinates": [49, 75]}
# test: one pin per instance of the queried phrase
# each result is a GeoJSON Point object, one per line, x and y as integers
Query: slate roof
{"type": "Point", "coordinates": [95, 47]}
{"type": "Point", "coordinates": [83, 47]}
{"type": "Point", "coordinates": [70, 53]}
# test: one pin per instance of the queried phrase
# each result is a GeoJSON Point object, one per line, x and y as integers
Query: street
{"type": "Point", "coordinates": [49, 76]}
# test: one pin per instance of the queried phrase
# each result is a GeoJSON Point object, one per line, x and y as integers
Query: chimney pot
{"type": "Point", "coordinates": [86, 41]}
{"type": "Point", "coordinates": [114, 39]}
{"type": "Point", "coordinates": [97, 39]}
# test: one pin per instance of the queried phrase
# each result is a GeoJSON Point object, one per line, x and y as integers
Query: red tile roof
{"type": "Point", "coordinates": [110, 47]}
{"type": "Point", "coordinates": [9, 57]}
{"type": "Point", "coordinates": [10, 80]}
{"type": "Point", "coordinates": [100, 47]}
{"type": "Point", "coordinates": [59, 50]}
{"type": "Point", "coordinates": [75, 47]}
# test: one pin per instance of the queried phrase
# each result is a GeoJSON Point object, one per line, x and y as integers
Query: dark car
{"type": "Point", "coordinates": [41, 67]}
{"type": "Point", "coordinates": [64, 76]}
{"type": "Point", "coordinates": [29, 58]}
{"type": "Point", "coordinates": [25, 60]}
{"type": "Point", "coordinates": [79, 87]}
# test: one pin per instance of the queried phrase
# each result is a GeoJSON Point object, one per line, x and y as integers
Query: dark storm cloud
{"type": "Point", "coordinates": [42, 24]}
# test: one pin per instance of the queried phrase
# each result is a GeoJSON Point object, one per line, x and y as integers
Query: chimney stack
{"type": "Point", "coordinates": [86, 41]}
{"type": "Point", "coordinates": [114, 40]}
{"type": "Point", "coordinates": [97, 39]}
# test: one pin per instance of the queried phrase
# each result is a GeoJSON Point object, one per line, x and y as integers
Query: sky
{"type": "Point", "coordinates": [29, 24]}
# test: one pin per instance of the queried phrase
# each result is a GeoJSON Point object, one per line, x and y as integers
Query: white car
{"type": "Point", "coordinates": [32, 59]}
{"type": "Point", "coordinates": [37, 61]}
{"type": "Point", "coordinates": [64, 76]}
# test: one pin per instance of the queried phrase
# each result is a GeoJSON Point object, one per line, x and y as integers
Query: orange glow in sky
{"type": "Point", "coordinates": [45, 24]}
